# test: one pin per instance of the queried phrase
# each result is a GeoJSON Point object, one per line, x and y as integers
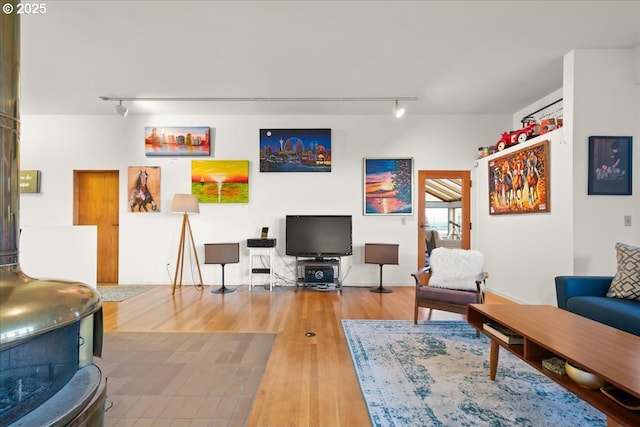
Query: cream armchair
{"type": "Point", "coordinates": [454, 279]}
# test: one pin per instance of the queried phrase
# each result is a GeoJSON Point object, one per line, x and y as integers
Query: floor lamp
{"type": "Point", "coordinates": [381, 254]}
{"type": "Point", "coordinates": [185, 204]}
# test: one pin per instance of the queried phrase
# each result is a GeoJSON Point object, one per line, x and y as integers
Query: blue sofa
{"type": "Point", "coordinates": [586, 296]}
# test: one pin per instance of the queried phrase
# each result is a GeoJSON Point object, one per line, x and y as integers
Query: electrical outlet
{"type": "Point", "coordinates": [627, 220]}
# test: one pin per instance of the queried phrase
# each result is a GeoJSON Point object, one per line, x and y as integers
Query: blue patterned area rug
{"type": "Point", "coordinates": [436, 373]}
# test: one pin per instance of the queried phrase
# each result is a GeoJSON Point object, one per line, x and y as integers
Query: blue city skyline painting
{"type": "Point", "coordinates": [295, 150]}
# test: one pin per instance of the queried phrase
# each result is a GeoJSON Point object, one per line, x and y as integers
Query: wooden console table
{"type": "Point", "coordinates": [549, 331]}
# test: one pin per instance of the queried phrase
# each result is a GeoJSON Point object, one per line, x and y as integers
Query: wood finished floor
{"type": "Point", "coordinates": [309, 381]}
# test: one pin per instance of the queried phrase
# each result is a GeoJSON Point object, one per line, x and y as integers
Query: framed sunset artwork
{"type": "Point", "coordinates": [388, 186]}
{"type": "Point", "coordinates": [220, 181]}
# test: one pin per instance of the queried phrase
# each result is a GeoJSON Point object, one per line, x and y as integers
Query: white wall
{"type": "Point", "coordinates": [62, 253]}
{"type": "Point", "coordinates": [601, 96]}
{"type": "Point", "coordinates": [524, 252]}
{"type": "Point", "coordinates": [57, 145]}
{"type": "Point", "coordinates": [605, 96]}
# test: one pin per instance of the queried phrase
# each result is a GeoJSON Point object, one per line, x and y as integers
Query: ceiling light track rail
{"type": "Point", "coordinates": [267, 99]}
{"type": "Point", "coordinates": [398, 110]}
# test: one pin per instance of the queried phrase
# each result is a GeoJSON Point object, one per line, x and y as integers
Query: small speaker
{"type": "Point", "coordinates": [221, 253]}
{"type": "Point", "coordinates": [261, 243]}
{"type": "Point", "coordinates": [381, 253]}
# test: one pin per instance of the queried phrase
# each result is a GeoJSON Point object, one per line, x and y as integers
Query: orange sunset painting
{"type": "Point", "coordinates": [388, 186]}
{"type": "Point", "coordinates": [220, 181]}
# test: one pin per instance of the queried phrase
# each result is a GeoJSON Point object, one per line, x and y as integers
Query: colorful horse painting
{"type": "Point", "coordinates": [518, 180]}
{"type": "Point", "coordinates": [141, 196]}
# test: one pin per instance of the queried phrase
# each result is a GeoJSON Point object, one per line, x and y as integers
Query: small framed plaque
{"type": "Point", "coordinates": [29, 181]}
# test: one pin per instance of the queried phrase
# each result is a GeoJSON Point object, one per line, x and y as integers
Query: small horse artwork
{"type": "Point", "coordinates": [496, 188]}
{"type": "Point", "coordinates": [533, 176]}
{"type": "Point", "coordinates": [507, 182]}
{"type": "Point", "coordinates": [145, 183]}
{"type": "Point", "coordinates": [518, 181]}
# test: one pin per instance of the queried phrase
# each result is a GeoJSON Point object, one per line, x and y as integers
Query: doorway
{"type": "Point", "coordinates": [444, 205]}
{"type": "Point", "coordinates": [95, 202]}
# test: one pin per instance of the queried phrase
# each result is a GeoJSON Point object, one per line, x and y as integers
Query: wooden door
{"type": "Point", "coordinates": [442, 177]}
{"type": "Point", "coordinates": [95, 202]}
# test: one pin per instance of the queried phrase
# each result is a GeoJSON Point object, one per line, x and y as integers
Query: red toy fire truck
{"type": "Point", "coordinates": [517, 136]}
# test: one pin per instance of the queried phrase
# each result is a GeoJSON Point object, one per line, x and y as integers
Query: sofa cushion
{"type": "Point", "coordinates": [626, 282]}
{"type": "Point", "coordinates": [622, 314]}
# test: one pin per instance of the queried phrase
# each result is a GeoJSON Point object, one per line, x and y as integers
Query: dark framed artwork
{"type": "Point", "coordinates": [519, 181]}
{"type": "Point", "coordinates": [610, 165]}
{"type": "Point", "coordinates": [388, 186]}
{"type": "Point", "coordinates": [295, 150]}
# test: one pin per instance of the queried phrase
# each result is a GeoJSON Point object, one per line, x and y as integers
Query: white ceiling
{"type": "Point", "coordinates": [457, 57]}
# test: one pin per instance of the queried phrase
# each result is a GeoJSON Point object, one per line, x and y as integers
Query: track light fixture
{"type": "Point", "coordinates": [121, 109]}
{"type": "Point", "coordinates": [398, 111]}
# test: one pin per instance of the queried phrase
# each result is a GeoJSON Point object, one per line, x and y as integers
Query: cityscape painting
{"type": "Point", "coordinates": [388, 186]}
{"type": "Point", "coordinates": [220, 181]}
{"type": "Point", "coordinates": [187, 141]}
{"type": "Point", "coordinates": [295, 150]}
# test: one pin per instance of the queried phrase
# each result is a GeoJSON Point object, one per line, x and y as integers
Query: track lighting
{"type": "Point", "coordinates": [398, 111]}
{"type": "Point", "coordinates": [121, 109]}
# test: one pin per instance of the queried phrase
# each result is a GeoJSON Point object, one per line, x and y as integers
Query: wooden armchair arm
{"type": "Point", "coordinates": [418, 274]}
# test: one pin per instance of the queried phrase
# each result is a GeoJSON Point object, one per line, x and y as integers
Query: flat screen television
{"type": "Point", "coordinates": [318, 235]}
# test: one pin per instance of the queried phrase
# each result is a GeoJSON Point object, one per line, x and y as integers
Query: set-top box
{"type": "Point", "coordinates": [318, 274]}
{"type": "Point", "coordinates": [261, 243]}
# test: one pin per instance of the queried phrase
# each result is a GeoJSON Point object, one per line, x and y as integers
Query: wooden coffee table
{"type": "Point", "coordinates": [548, 331]}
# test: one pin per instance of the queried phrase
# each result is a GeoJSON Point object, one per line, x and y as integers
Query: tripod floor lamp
{"type": "Point", "coordinates": [381, 254]}
{"type": "Point", "coordinates": [185, 204]}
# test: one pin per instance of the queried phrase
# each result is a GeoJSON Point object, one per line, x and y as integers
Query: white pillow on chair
{"type": "Point", "coordinates": [456, 268]}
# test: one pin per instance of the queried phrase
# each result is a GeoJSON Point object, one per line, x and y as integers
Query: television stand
{"type": "Point", "coordinates": [318, 273]}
